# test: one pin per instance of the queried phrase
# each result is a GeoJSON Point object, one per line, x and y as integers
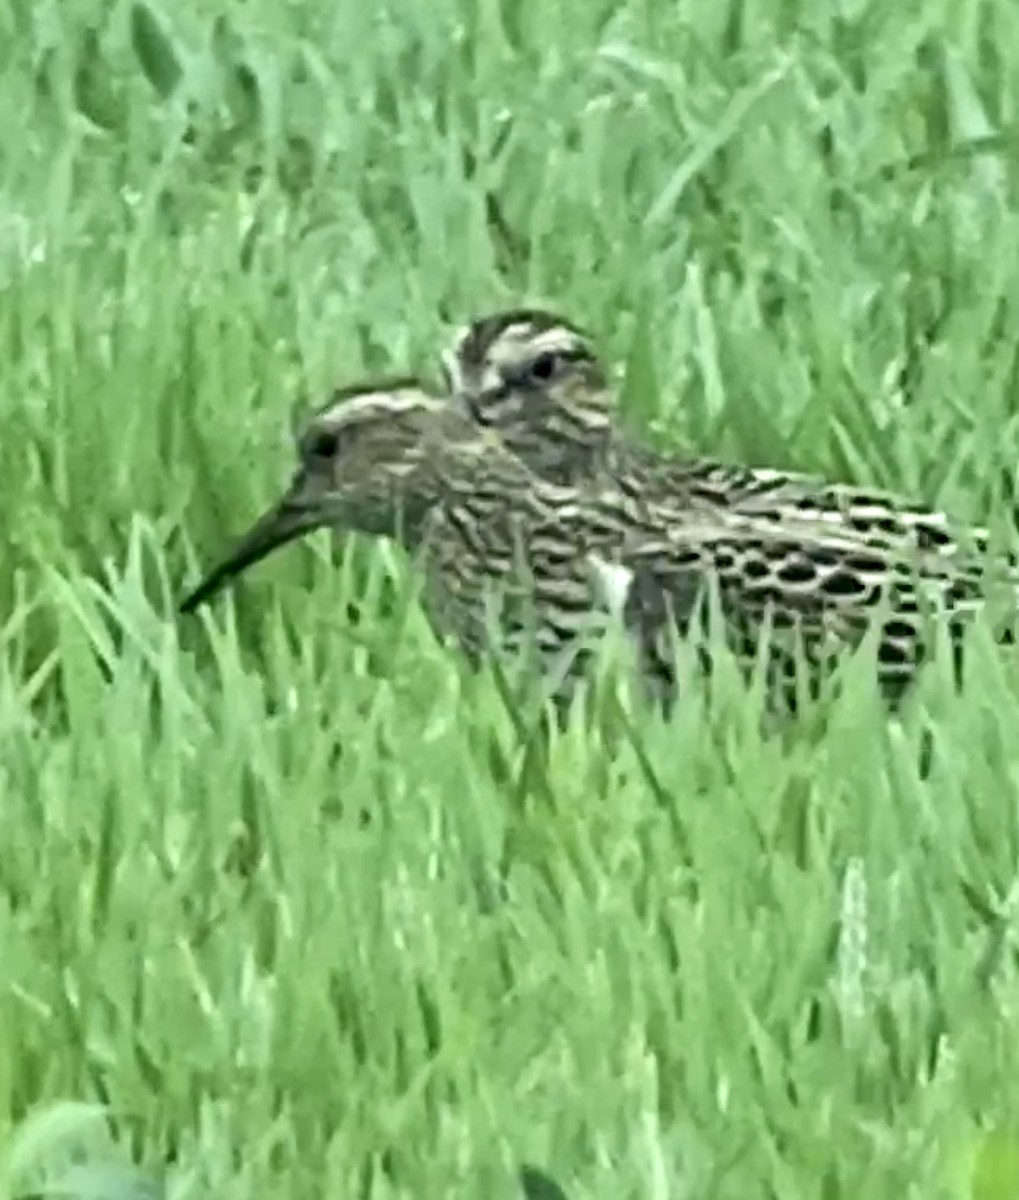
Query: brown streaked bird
{"type": "Point", "coordinates": [535, 377]}
{"type": "Point", "coordinates": [388, 458]}
{"type": "Point", "coordinates": [493, 539]}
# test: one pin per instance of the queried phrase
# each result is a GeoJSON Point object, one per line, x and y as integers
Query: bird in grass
{"type": "Point", "coordinates": [535, 378]}
{"type": "Point", "coordinates": [513, 562]}
{"type": "Point", "coordinates": [390, 459]}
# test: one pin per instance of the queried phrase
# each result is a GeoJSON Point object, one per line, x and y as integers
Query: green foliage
{"type": "Point", "coordinates": [292, 906]}
{"type": "Point", "coordinates": [156, 55]}
{"type": "Point", "coordinates": [996, 1168]}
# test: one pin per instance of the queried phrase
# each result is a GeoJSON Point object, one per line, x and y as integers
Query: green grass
{"type": "Point", "coordinates": [685, 961]}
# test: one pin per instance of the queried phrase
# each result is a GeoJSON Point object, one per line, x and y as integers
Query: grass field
{"type": "Point", "coordinates": [690, 960]}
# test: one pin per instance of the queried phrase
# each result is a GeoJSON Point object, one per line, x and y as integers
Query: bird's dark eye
{"type": "Point", "coordinates": [324, 443]}
{"type": "Point", "coordinates": [544, 367]}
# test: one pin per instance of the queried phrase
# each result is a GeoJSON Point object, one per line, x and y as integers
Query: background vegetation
{"type": "Point", "coordinates": [285, 909]}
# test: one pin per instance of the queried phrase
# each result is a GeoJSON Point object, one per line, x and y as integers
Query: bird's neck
{"type": "Point", "coordinates": [569, 457]}
{"type": "Point", "coordinates": [456, 474]}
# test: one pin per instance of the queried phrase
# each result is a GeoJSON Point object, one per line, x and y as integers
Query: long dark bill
{"type": "Point", "coordinates": [285, 523]}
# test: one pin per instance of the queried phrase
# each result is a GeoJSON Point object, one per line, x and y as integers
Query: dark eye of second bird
{"type": "Point", "coordinates": [544, 366]}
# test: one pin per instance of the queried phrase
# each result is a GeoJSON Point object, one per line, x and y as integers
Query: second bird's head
{"type": "Point", "coordinates": [535, 378]}
{"type": "Point", "coordinates": [370, 461]}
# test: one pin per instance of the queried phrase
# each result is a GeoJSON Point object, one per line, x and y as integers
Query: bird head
{"type": "Point", "coordinates": [369, 462]}
{"type": "Point", "coordinates": [535, 378]}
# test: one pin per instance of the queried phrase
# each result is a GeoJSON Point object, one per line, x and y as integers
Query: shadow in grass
{"type": "Point", "coordinates": [539, 1186]}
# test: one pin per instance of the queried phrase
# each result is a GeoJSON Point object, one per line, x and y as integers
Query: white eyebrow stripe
{"type": "Point", "coordinates": [557, 338]}
{"type": "Point", "coordinates": [352, 409]}
{"type": "Point", "coordinates": [519, 329]}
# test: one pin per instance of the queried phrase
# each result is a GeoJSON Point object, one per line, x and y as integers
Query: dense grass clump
{"type": "Point", "coordinates": [287, 906]}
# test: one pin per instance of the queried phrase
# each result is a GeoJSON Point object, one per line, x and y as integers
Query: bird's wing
{"type": "Point", "coordinates": [814, 596]}
{"type": "Point", "coordinates": [868, 516]}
